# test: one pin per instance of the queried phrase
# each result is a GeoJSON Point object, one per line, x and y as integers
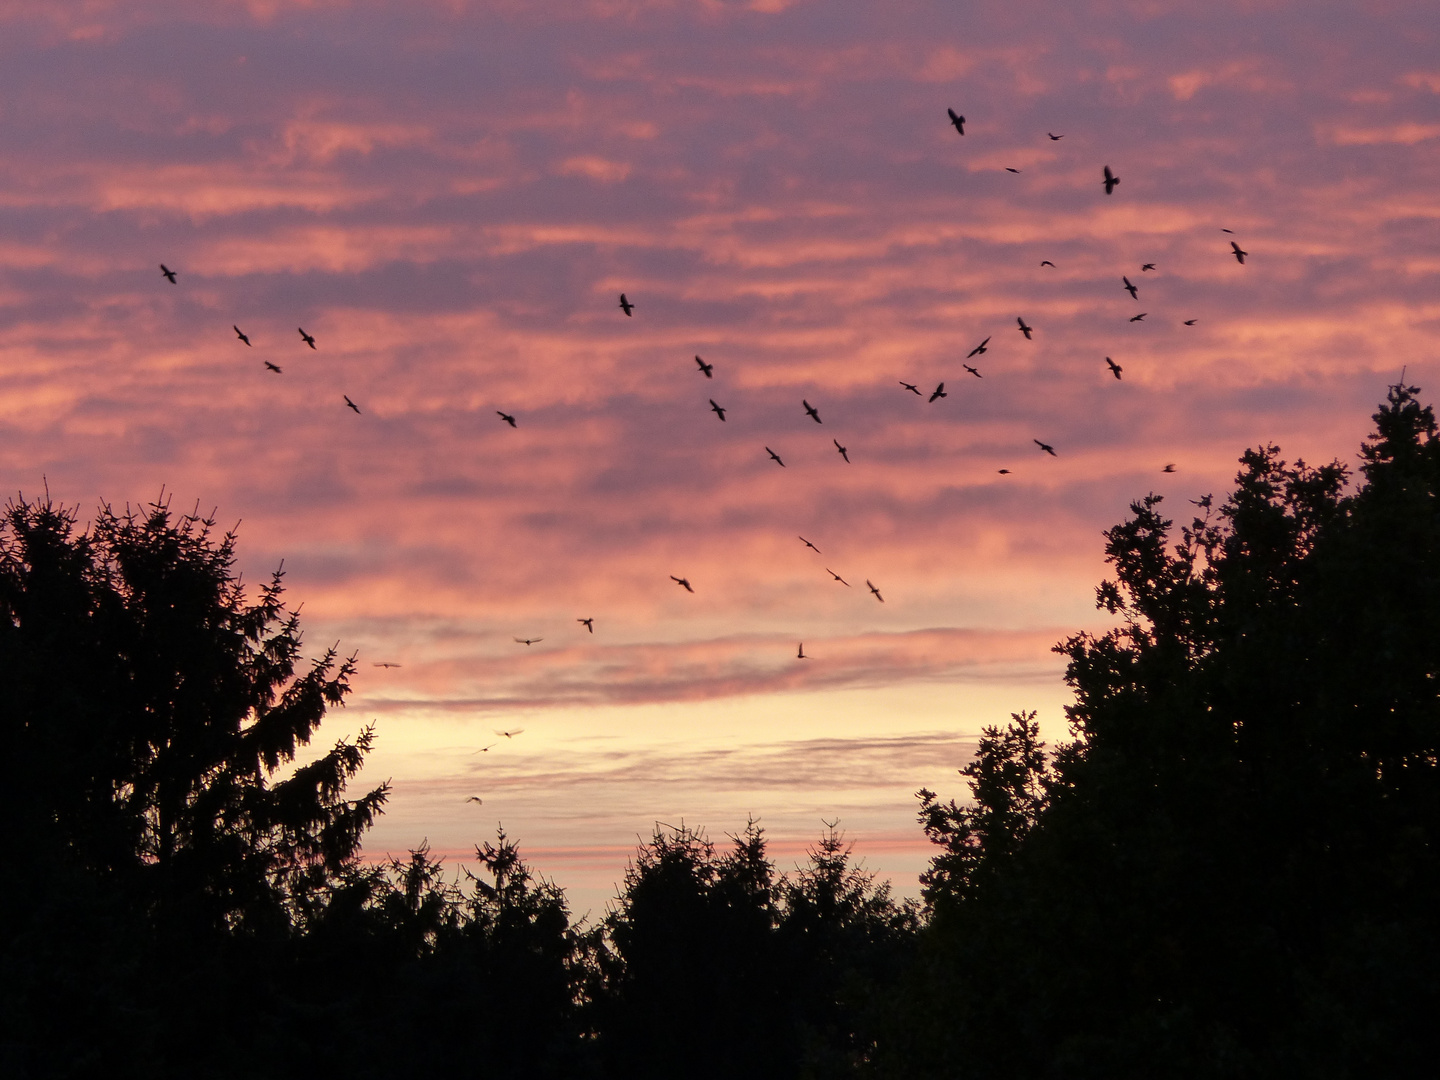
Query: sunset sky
{"type": "Point", "coordinates": [450, 198]}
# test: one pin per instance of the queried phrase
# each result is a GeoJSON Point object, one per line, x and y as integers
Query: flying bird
{"type": "Point", "coordinates": [957, 120]}
{"type": "Point", "coordinates": [1115, 368]}
{"type": "Point", "coordinates": [1130, 288]}
{"type": "Point", "coordinates": [801, 654]}
{"type": "Point", "coordinates": [837, 577]}
{"type": "Point", "coordinates": [939, 392]}
{"type": "Point", "coordinates": [1008, 169]}
{"type": "Point", "coordinates": [384, 664]}
{"type": "Point", "coordinates": [978, 349]}
{"type": "Point", "coordinates": [1137, 318]}
{"type": "Point", "coordinates": [240, 334]}
{"type": "Point", "coordinates": [1003, 472]}
{"type": "Point", "coordinates": [708, 369]}
{"type": "Point", "coordinates": [811, 546]}
{"type": "Point", "coordinates": [169, 274]}
{"type": "Point", "coordinates": [351, 404]}
{"type": "Point", "coordinates": [1023, 328]}
{"type": "Point", "coordinates": [510, 734]}
{"type": "Point", "coordinates": [1168, 468]}
{"type": "Point", "coordinates": [506, 417]}
{"type": "Point", "coordinates": [814, 414]}
{"type": "Point", "coordinates": [483, 750]}
{"type": "Point", "coordinates": [1239, 255]}
{"type": "Point", "coordinates": [1110, 181]}
{"type": "Point", "coordinates": [1046, 447]}
{"type": "Point", "coordinates": [625, 305]}
{"type": "Point", "coordinates": [528, 640]}
{"type": "Point", "coordinates": [843, 452]}
{"type": "Point", "coordinates": [476, 799]}
{"type": "Point", "coordinates": [308, 339]}
{"type": "Point", "coordinates": [911, 387]}
{"type": "Point", "coordinates": [717, 409]}
{"type": "Point", "coordinates": [972, 371]}
{"type": "Point", "coordinates": [775, 457]}
{"type": "Point", "coordinates": [1147, 266]}
{"type": "Point", "coordinates": [589, 624]}
{"type": "Point", "coordinates": [272, 367]}
{"type": "Point", "coordinates": [1230, 231]}
{"type": "Point", "coordinates": [682, 581]}
{"type": "Point", "coordinates": [1191, 322]}
{"type": "Point", "coordinates": [1054, 138]}
{"type": "Point", "coordinates": [1047, 262]}
{"type": "Point", "coordinates": [876, 591]}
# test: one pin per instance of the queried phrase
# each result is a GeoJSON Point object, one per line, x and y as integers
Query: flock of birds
{"type": "Point", "coordinates": [1108, 179]}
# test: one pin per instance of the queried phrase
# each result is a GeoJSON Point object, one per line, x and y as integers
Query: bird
{"type": "Point", "coordinates": [811, 546]}
{"type": "Point", "coordinates": [707, 369]}
{"type": "Point", "coordinates": [589, 624]}
{"type": "Point", "coordinates": [1023, 328]}
{"type": "Point", "coordinates": [351, 404]}
{"type": "Point", "coordinates": [843, 452]}
{"type": "Point", "coordinates": [272, 367]}
{"type": "Point", "coordinates": [1137, 318]}
{"type": "Point", "coordinates": [957, 120]}
{"type": "Point", "coordinates": [775, 456]}
{"type": "Point", "coordinates": [717, 409]}
{"type": "Point", "coordinates": [1110, 180]}
{"type": "Point", "coordinates": [1003, 472]}
{"type": "Point", "coordinates": [972, 371]}
{"type": "Point", "coordinates": [1239, 254]}
{"type": "Point", "coordinates": [1046, 447]}
{"type": "Point", "coordinates": [1115, 368]}
{"type": "Point", "coordinates": [1230, 231]}
{"type": "Point", "coordinates": [506, 417]}
{"type": "Point", "coordinates": [837, 577]}
{"type": "Point", "coordinates": [1047, 262]}
{"type": "Point", "coordinates": [308, 339]}
{"type": "Point", "coordinates": [476, 799]}
{"type": "Point", "coordinates": [625, 305]}
{"type": "Point", "coordinates": [814, 414]}
{"type": "Point", "coordinates": [1054, 138]}
{"type": "Point", "coordinates": [682, 581]}
{"type": "Point", "coordinates": [1168, 468]}
{"type": "Point", "coordinates": [801, 654]}
{"type": "Point", "coordinates": [1191, 322]}
{"type": "Point", "coordinates": [1130, 288]}
{"type": "Point", "coordinates": [240, 334]}
{"type": "Point", "coordinates": [528, 640]}
{"type": "Point", "coordinates": [485, 750]}
{"type": "Point", "coordinates": [169, 274]}
{"type": "Point", "coordinates": [911, 387]}
{"type": "Point", "coordinates": [978, 349]}
{"type": "Point", "coordinates": [1147, 266]}
{"type": "Point", "coordinates": [384, 664]}
{"type": "Point", "coordinates": [876, 591]}
{"type": "Point", "coordinates": [1008, 169]}
{"type": "Point", "coordinates": [510, 734]}
{"type": "Point", "coordinates": [939, 392]}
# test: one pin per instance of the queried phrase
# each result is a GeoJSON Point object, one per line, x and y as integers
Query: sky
{"type": "Point", "coordinates": [451, 197]}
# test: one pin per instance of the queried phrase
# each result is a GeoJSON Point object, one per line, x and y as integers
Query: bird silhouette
{"type": "Point", "coordinates": [351, 404]}
{"type": "Point", "coordinates": [625, 305]}
{"type": "Point", "coordinates": [811, 546]}
{"type": "Point", "coordinates": [240, 334]}
{"type": "Point", "coordinates": [1003, 472]}
{"type": "Point", "coordinates": [775, 457]}
{"type": "Point", "coordinates": [506, 417]}
{"type": "Point", "coordinates": [1023, 328]}
{"type": "Point", "coordinates": [1168, 468]}
{"type": "Point", "coordinates": [837, 577]}
{"type": "Point", "coordinates": [1008, 169]}
{"type": "Point", "coordinates": [972, 371]}
{"type": "Point", "coordinates": [384, 664]}
{"type": "Point", "coordinates": [1055, 138]}
{"type": "Point", "coordinates": [476, 799]}
{"type": "Point", "coordinates": [801, 654]}
{"type": "Point", "coordinates": [1230, 231]}
{"type": "Point", "coordinates": [1191, 322]}
{"type": "Point", "coordinates": [939, 392]}
{"type": "Point", "coordinates": [978, 349]}
{"type": "Point", "coordinates": [874, 590]}
{"type": "Point", "coordinates": [1131, 289]}
{"type": "Point", "coordinates": [1115, 368]}
{"type": "Point", "coordinates": [682, 581]}
{"type": "Point", "coordinates": [589, 624]}
{"type": "Point", "coordinates": [1137, 318]}
{"type": "Point", "coordinates": [843, 452]}
{"type": "Point", "coordinates": [510, 734]}
{"type": "Point", "coordinates": [484, 750]}
{"type": "Point", "coordinates": [1046, 447]}
{"type": "Point", "coordinates": [708, 369]}
{"type": "Point", "coordinates": [814, 414]}
{"type": "Point", "coordinates": [1239, 255]}
{"type": "Point", "coordinates": [528, 640]}
{"type": "Point", "coordinates": [272, 367]}
{"type": "Point", "coordinates": [957, 120]}
{"type": "Point", "coordinates": [1047, 262]}
{"type": "Point", "coordinates": [169, 274]}
{"type": "Point", "coordinates": [911, 387]}
{"type": "Point", "coordinates": [717, 409]}
{"type": "Point", "coordinates": [1147, 266]}
{"type": "Point", "coordinates": [1110, 181]}
{"type": "Point", "coordinates": [308, 339]}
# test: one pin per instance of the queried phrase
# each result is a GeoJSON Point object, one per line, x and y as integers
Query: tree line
{"type": "Point", "coordinates": [1228, 869]}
